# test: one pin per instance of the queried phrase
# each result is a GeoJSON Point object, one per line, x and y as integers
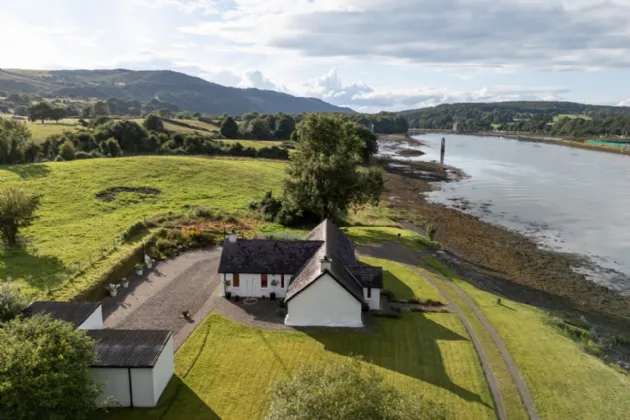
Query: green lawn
{"type": "Point", "coordinates": [404, 282]}
{"type": "Point", "coordinates": [375, 234]}
{"type": "Point", "coordinates": [565, 382]}
{"type": "Point", "coordinates": [226, 369]}
{"type": "Point", "coordinates": [73, 222]}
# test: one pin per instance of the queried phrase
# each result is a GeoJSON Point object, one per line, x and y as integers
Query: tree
{"type": "Point", "coordinates": [324, 176]}
{"type": "Point", "coordinates": [15, 139]}
{"type": "Point", "coordinates": [370, 142]}
{"type": "Point", "coordinates": [12, 301]}
{"type": "Point", "coordinates": [87, 111]}
{"type": "Point", "coordinates": [67, 150]}
{"type": "Point", "coordinates": [44, 370]}
{"type": "Point", "coordinates": [17, 210]}
{"type": "Point", "coordinates": [285, 126]}
{"type": "Point", "coordinates": [111, 147]}
{"type": "Point", "coordinates": [40, 111]}
{"type": "Point", "coordinates": [58, 113]}
{"type": "Point", "coordinates": [153, 123]}
{"type": "Point", "coordinates": [346, 390]}
{"type": "Point", "coordinates": [99, 109]}
{"type": "Point", "coordinates": [21, 110]}
{"type": "Point", "coordinates": [258, 129]}
{"type": "Point", "coordinates": [229, 128]}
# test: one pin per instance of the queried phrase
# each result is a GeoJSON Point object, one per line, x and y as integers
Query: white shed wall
{"type": "Point", "coordinates": [324, 303]}
{"type": "Point", "coordinates": [116, 381]}
{"type": "Point", "coordinates": [94, 321]}
{"type": "Point", "coordinates": [142, 387]}
{"type": "Point", "coordinates": [163, 370]}
{"type": "Point", "coordinates": [250, 285]}
{"type": "Point", "coordinates": [374, 302]}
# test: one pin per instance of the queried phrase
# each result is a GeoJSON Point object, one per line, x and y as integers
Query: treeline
{"type": "Point", "coordinates": [256, 126]}
{"type": "Point", "coordinates": [114, 138]}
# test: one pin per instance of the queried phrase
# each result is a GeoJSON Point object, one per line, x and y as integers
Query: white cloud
{"type": "Point", "coordinates": [625, 102]}
{"type": "Point", "coordinates": [186, 6]}
{"type": "Point", "coordinates": [255, 79]}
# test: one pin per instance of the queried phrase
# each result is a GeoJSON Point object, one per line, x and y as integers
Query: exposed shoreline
{"type": "Point", "coordinates": [504, 262]}
{"type": "Point", "coordinates": [558, 141]}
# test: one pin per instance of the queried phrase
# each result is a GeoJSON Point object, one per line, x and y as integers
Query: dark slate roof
{"type": "Point", "coordinates": [368, 276]}
{"type": "Point", "coordinates": [128, 348]}
{"type": "Point", "coordinates": [338, 246]}
{"type": "Point", "coordinates": [74, 312]}
{"type": "Point", "coordinates": [263, 256]}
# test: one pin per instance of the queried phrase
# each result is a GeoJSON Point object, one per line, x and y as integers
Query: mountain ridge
{"type": "Point", "coordinates": [190, 93]}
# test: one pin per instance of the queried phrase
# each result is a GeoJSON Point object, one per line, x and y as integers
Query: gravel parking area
{"type": "Point", "coordinates": [156, 299]}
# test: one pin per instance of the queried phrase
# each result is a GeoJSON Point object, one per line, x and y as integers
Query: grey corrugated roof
{"type": "Point", "coordinates": [368, 276]}
{"type": "Point", "coordinates": [263, 256]}
{"type": "Point", "coordinates": [74, 312]}
{"type": "Point", "coordinates": [128, 348]}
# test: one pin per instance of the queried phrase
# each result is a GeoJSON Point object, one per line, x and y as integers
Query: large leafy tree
{"type": "Point", "coordinates": [229, 128]}
{"type": "Point", "coordinates": [346, 390]}
{"type": "Point", "coordinates": [15, 141]}
{"type": "Point", "coordinates": [12, 301]}
{"type": "Point", "coordinates": [153, 123]}
{"type": "Point", "coordinates": [259, 129]}
{"type": "Point", "coordinates": [44, 370]}
{"type": "Point", "coordinates": [99, 109]}
{"type": "Point", "coordinates": [285, 126]}
{"type": "Point", "coordinates": [325, 176]}
{"type": "Point", "coordinates": [17, 210]}
{"type": "Point", "coordinates": [40, 111]}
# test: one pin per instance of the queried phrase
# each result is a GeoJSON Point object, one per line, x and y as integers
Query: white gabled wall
{"type": "Point", "coordinates": [163, 370]}
{"type": "Point", "coordinates": [324, 303]}
{"type": "Point", "coordinates": [250, 285]}
{"type": "Point", "coordinates": [116, 381]}
{"type": "Point", "coordinates": [142, 387]}
{"type": "Point", "coordinates": [374, 302]}
{"type": "Point", "coordinates": [94, 321]}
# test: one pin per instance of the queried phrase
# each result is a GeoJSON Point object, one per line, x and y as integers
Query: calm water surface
{"type": "Point", "coordinates": [568, 199]}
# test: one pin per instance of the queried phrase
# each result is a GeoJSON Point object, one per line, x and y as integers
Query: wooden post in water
{"type": "Point", "coordinates": [442, 151]}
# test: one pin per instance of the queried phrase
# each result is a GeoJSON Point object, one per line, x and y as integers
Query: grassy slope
{"type": "Point", "coordinates": [226, 369]}
{"type": "Point", "coordinates": [373, 234]}
{"type": "Point", "coordinates": [566, 383]}
{"type": "Point", "coordinates": [73, 222]}
{"type": "Point", "coordinates": [404, 282]}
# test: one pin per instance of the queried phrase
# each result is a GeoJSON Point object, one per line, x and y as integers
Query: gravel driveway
{"type": "Point", "coordinates": [156, 299]}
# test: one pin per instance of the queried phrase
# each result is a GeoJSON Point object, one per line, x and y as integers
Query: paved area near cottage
{"type": "Point", "coordinates": [395, 251]}
{"type": "Point", "coordinates": [156, 299]}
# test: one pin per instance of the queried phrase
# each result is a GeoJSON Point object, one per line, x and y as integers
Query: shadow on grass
{"type": "Point", "coordinates": [40, 272]}
{"type": "Point", "coordinates": [408, 346]}
{"type": "Point", "coordinates": [395, 285]}
{"type": "Point", "coordinates": [178, 401]}
{"type": "Point", "coordinates": [33, 170]}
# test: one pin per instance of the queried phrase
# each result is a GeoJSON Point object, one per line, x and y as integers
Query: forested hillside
{"type": "Point", "coordinates": [186, 92]}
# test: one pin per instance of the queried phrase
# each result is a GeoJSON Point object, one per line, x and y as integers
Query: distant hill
{"type": "Point", "coordinates": [187, 92]}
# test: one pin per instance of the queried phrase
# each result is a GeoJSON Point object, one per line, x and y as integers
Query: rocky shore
{"type": "Point", "coordinates": [503, 262]}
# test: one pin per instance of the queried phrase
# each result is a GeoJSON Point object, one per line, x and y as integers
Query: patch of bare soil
{"type": "Point", "coordinates": [495, 259]}
{"type": "Point", "coordinates": [110, 194]}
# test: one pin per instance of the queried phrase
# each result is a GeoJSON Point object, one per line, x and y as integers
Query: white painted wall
{"type": "Point", "coordinates": [94, 321]}
{"type": "Point", "coordinates": [116, 381]}
{"type": "Point", "coordinates": [250, 285]}
{"type": "Point", "coordinates": [324, 303]}
{"type": "Point", "coordinates": [142, 387]}
{"type": "Point", "coordinates": [163, 370]}
{"type": "Point", "coordinates": [373, 302]}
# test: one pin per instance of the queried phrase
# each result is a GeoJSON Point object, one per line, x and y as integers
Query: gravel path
{"type": "Point", "coordinates": [397, 252]}
{"type": "Point", "coordinates": [156, 300]}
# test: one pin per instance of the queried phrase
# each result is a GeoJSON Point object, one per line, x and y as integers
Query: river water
{"type": "Point", "coordinates": [569, 200]}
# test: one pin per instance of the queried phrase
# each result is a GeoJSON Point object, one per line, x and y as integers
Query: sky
{"type": "Point", "coordinates": [370, 55]}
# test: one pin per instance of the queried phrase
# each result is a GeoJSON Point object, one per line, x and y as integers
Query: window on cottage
{"type": "Point", "coordinates": [369, 293]}
{"type": "Point", "coordinates": [263, 281]}
{"type": "Point", "coordinates": [235, 280]}
{"type": "Point", "coordinates": [282, 281]}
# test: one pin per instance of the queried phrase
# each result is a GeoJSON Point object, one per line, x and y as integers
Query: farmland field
{"type": "Point", "coordinates": [73, 222]}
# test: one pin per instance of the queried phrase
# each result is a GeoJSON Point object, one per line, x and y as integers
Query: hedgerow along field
{"type": "Point", "coordinates": [74, 223]}
{"type": "Point", "coordinates": [226, 369]}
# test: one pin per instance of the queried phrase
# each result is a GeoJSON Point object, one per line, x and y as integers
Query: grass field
{"type": "Point", "coordinates": [565, 382]}
{"type": "Point", "coordinates": [572, 116]}
{"type": "Point", "coordinates": [74, 223]}
{"type": "Point", "coordinates": [256, 144]}
{"type": "Point", "coordinates": [404, 282]}
{"type": "Point", "coordinates": [379, 234]}
{"type": "Point", "coordinates": [225, 369]}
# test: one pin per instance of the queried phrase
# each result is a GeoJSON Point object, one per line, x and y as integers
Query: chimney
{"type": "Point", "coordinates": [325, 263]}
{"type": "Point", "coordinates": [232, 237]}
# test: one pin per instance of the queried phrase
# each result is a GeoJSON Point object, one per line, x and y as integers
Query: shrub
{"type": "Point", "coordinates": [202, 212]}
{"type": "Point", "coordinates": [67, 150]}
{"type": "Point", "coordinates": [110, 147]}
{"type": "Point", "coordinates": [153, 123]}
{"type": "Point", "coordinates": [17, 210]}
{"type": "Point", "coordinates": [431, 231]}
{"type": "Point", "coordinates": [349, 389]}
{"type": "Point", "coordinates": [82, 155]}
{"type": "Point", "coordinates": [44, 370]}
{"type": "Point", "coordinates": [133, 230]}
{"type": "Point", "coordinates": [12, 301]}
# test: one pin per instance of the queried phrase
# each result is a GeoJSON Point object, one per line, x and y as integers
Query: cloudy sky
{"type": "Point", "coordinates": [366, 54]}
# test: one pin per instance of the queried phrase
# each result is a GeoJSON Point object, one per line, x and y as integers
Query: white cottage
{"type": "Point", "coordinates": [134, 365]}
{"type": "Point", "coordinates": [320, 278]}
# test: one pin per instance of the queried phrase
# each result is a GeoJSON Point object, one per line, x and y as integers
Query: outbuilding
{"type": "Point", "coordinates": [134, 365]}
